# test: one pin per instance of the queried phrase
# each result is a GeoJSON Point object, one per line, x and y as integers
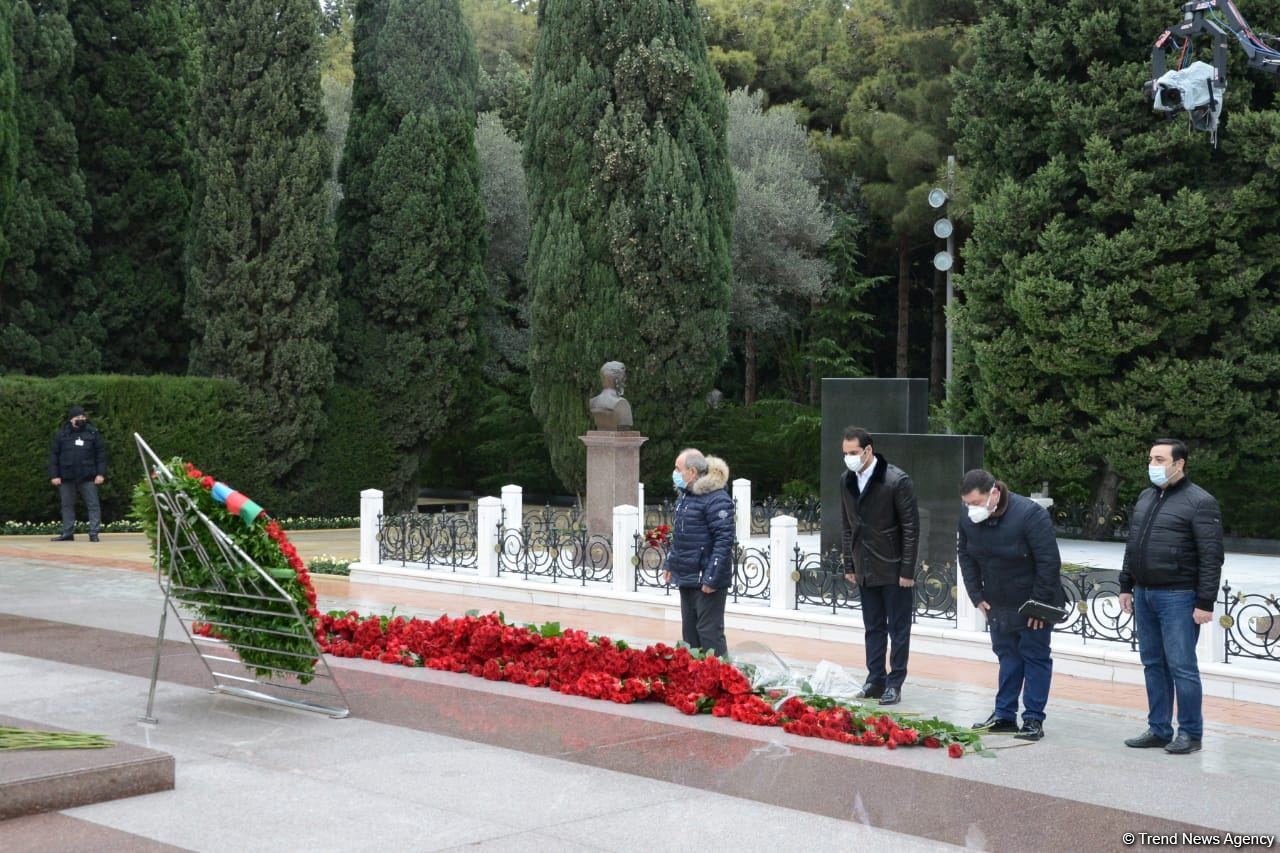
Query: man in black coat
{"type": "Point", "coordinates": [1169, 581]}
{"type": "Point", "coordinates": [880, 526]}
{"type": "Point", "coordinates": [78, 462]}
{"type": "Point", "coordinates": [700, 562]}
{"type": "Point", "coordinates": [1009, 554]}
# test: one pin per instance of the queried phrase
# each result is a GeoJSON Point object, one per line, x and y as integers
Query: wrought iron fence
{"type": "Point", "coordinates": [751, 569]}
{"type": "Point", "coordinates": [1100, 520]}
{"type": "Point", "coordinates": [556, 518]}
{"type": "Point", "coordinates": [807, 513]}
{"type": "Point", "coordinates": [556, 554]}
{"type": "Point", "coordinates": [1251, 622]}
{"type": "Point", "coordinates": [1093, 602]}
{"type": "Point", "coordinates": [821, 582]}
{"type": "Point", "coordinates": [439, 539]}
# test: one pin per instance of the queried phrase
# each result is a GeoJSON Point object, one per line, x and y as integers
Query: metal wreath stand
{"type": "Point", "coordinates": [247, 588]}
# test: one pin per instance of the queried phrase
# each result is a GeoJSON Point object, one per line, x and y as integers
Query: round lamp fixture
{"type": "Point", "coordinates": [943, 261]}
{"type": "Point", "coordinates": [942, 228]}
{"type": "Point", "coordinates": [937, 197]}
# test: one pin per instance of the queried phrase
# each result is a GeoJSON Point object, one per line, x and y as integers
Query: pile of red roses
{"type": "Point", "coordinates": [573, 663]}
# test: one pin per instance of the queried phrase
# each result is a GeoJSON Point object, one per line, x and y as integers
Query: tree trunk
{"type": "Point", "coordinates": [749, 363]}
{"type": "Point", "coordinates": [1100, 518]}
{"type": "Point", "coordinates": [938, 359]}
{"type": "Point", "coordinates": [904, 306]}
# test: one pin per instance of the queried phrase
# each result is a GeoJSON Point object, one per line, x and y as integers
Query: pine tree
{"type": "Point", "coordinates": [413, 245]}
{"type": "Point", "coordinates": [631, 204]}
{"type": "Point", "coordinates": [48, 311]}
{"type": "Point", "coordinates": [262, 271]}
{"type": "Point", "coordinates": [8, 129]}
{"type": "Point", "coordinates": [133, 80]}
{"type": "Point", "coordinates": [1120, 283]}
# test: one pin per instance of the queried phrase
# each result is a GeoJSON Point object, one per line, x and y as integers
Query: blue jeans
{"type": "Point", "coordinates": [1167, 637]}
{"type": "Point", "coordinates": [1026, 669]}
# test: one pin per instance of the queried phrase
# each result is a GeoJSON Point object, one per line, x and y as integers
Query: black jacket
{"type": "Point", "coordinates": [880, 527]}
{"type": "Point", "coordinates": [78, 455]}
{"type": "Point", "coordinates": [1175, 542]}
{"type": "Point", "coordinates": [702, 531]}
{"type": "Point", "coordinates": [1012, 557]}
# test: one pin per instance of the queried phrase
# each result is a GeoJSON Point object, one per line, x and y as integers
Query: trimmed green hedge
{"type": "Point", "coordinates": [199, 419]}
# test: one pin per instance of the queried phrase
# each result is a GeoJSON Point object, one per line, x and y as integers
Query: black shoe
{"type": "Point", "coordinates": [998, 725]}
{"type": "Point", "coordinates": [1031, 730]}
{"type": "Point", "coordinates": [66, 537]}
{"type": "Point", "coordinates": [891, 696]}
{"type": "Point", "coordinates": [93, 537]}
{"type": "Point", "coordinates": [870, 691]}
{"type": "Point", "coordinates": [1147, 740]}
{"type": "Point", "coordinates": [1182, 744]}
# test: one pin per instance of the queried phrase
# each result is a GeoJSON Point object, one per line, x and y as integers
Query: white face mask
{"type": "Point", "coordinates": [979, 514]}
{"type": "Point", "coordinates": [853, 461]}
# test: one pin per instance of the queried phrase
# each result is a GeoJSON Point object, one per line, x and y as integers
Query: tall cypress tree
{"type": "Point", "coordinates": [1120, 281]}
{"type": "Point", "coordinates": [262, 273]}
{"type": "Point", "coordinates": [631, 202]}
{"type": "Point", "coordinates": [8, 129]}
{"type": "Point", "coordinates": [412, 222]}
{"type": "Point", "coordinates": [48, 311]}
{"type": "Point", "coordinates": [133, 102]}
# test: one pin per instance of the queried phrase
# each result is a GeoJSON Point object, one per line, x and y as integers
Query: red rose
{"type": "Point", "coordinates": [207, 482]}
{"type": "Point", "coordinates": [932, 742]}
{"type": "Point", "coordinates": [955, 750]}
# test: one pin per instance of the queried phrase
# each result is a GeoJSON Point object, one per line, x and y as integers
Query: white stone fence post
{"type": "Point", "coordinates": [742, 512]}
{"type": "Point", "coordinates": [370, 511]}
{"type": "Point", "coordinates": [512, 509]}
{"type": "Point", "coordinates": [782, 551]}
{"type": "Point", "coordinates": [627, 521]}
{"type": "Point", "coordinates": [488, 517]}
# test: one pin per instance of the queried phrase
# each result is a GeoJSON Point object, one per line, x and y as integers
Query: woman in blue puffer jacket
{"type": "Point", "coordinates": [701, 558]}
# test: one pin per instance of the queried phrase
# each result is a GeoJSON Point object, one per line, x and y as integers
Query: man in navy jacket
{"type": "Point", "coordinates": [701, 558]}
{"type": "Point", "coordinates": [1009, 554]}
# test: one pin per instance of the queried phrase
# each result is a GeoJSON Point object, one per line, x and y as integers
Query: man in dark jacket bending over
{"type": "Point", "coordinates": [1009, 554]}
{"type": "Point", "coordinates": [1172, 565]}
{"type": "Point", "coordinates": [880, 524]}
{"type": "Point", "coordinates": [701, 558]}
{"type": "Point", "coordinates": [78, 462]}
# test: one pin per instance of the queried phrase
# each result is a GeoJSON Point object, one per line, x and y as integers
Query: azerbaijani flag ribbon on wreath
{"type": "Point", "coordinates": [236, 503]}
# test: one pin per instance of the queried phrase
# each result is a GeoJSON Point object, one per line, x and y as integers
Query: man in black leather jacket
{"type": "Point", "coordinates": [1172, 566]}
{"type": "Point", "coordinates": [78, 462]}
{"type": "Point", "coordinates": [1008, 554]}
{"type": "Point", "coordinates": [880, 526]}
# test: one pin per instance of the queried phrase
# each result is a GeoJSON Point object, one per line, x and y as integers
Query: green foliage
{"type": "Point", "coordinates": [505, 91]}
{"type": "Point", "coordinates": [773, 444]}
{"type": "Point", "coordinates": [201, 418]}
{"type": "Point", "coordinates": [631, 203]}
{"type": "Point", "coordinates": [262, 264]}
{"type": "Point", "coordinates": [502, 28]}
{"type": "Point", "coordinates": [797, 51]}
{"type": "Point", "coordinates": [412, 222]}
{"type": "Point", "coordinates": [8, 127]}
{"type": "Point", "coordinates": [780, 225]}
{"type": "Point", "coordinates": [241, 607]}
{"type": "Point", "coordinates": [49, 320]}
{"type": "Point", "coordinates": [134, 76]}
{"type": "Point", "coordinates": [1119, 284]}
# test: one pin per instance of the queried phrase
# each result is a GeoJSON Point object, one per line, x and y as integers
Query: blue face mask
{"type": "Point", "coordinates": [677, 480]}
{"type": "Point", "coordinates": [1158, 473]}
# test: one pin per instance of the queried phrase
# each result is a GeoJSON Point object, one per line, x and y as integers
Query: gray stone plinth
{"type": "Point", "coordinates": [613, 470]}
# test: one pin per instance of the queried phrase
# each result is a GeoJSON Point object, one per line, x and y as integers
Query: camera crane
{"type": "Point", "coordinates": [1198, 88]}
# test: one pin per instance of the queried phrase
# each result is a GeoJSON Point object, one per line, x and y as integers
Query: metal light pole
{"type": "Point", "coordinates": [944, 261]}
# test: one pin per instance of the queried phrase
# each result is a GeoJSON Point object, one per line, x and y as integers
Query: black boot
{"type": "Point", "coordinates": [65, 537]}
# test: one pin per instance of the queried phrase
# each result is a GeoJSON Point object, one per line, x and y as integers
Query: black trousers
{"type": "Point", "coordinates": [67, 493]}
{"type": "Point", "coordinates": [886, 616]}
{"type": "Point", "coordinates": [702, 619]}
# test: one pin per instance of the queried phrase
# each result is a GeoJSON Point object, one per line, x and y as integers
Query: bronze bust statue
{"type": "Point", "coordinates": [609, 408]}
